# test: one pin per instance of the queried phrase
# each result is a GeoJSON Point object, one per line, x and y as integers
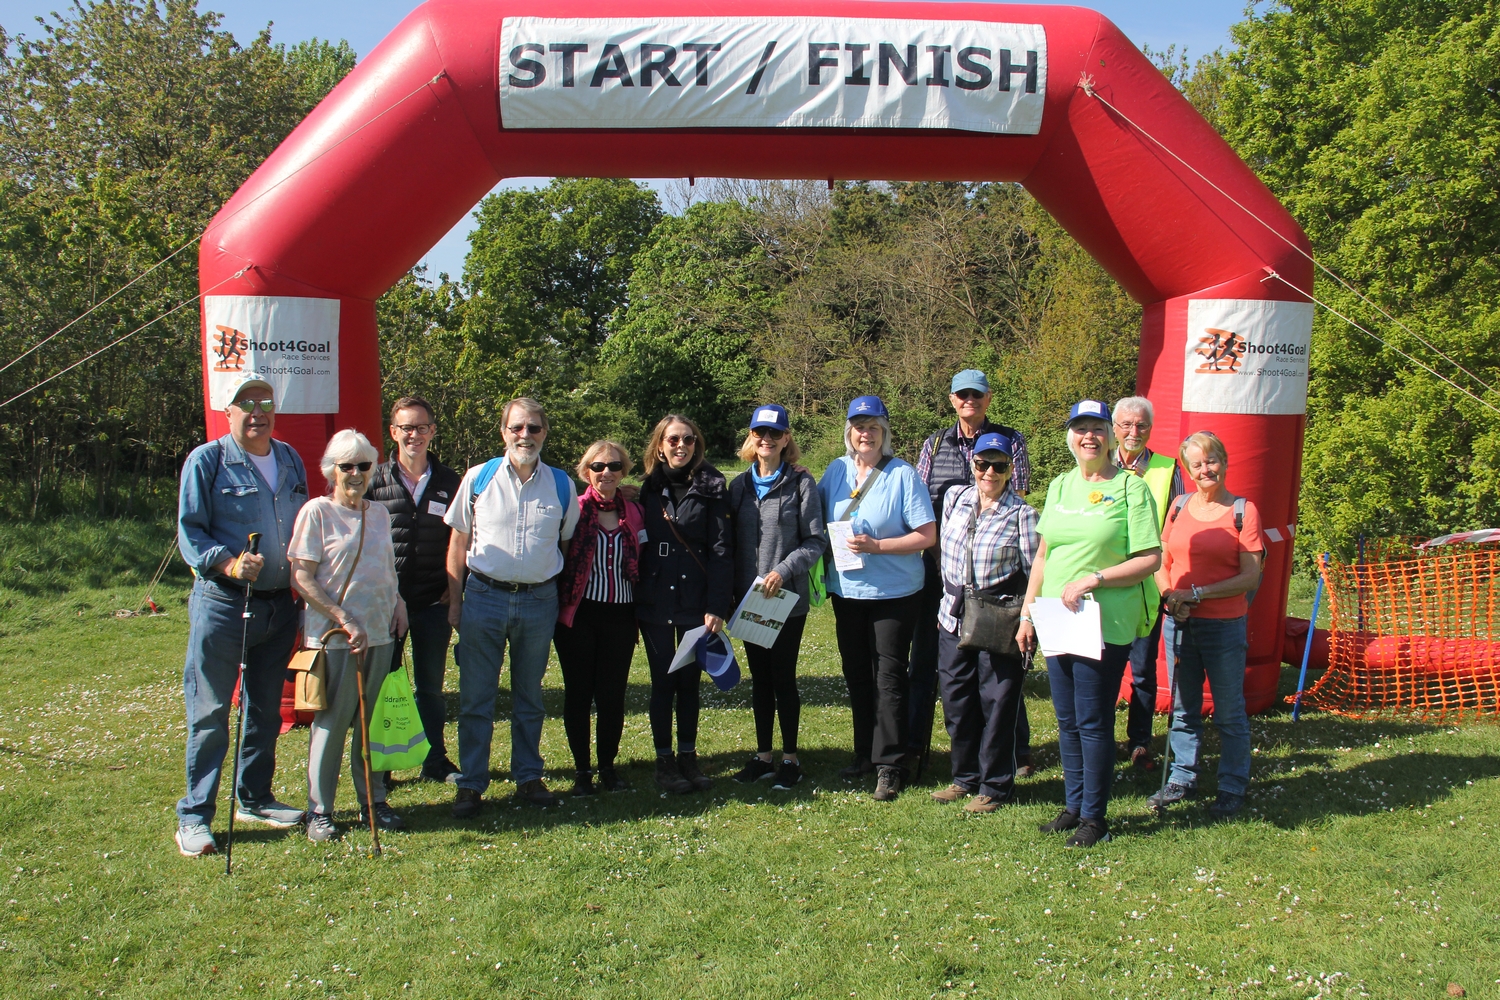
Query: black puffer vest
{"type": "Point", "coordinates": [420, 536]}
{"type": "Point", "coordinates": [950, 464]}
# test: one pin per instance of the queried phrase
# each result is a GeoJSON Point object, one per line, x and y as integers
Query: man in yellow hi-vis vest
{"type": "Point", "coordinates": [1132, 424]}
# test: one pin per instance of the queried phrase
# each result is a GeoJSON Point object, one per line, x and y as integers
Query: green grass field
{"type": "Point", "coordinates": [1367, 866]}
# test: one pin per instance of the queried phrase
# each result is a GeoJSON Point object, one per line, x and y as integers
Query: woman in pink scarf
{"type": "Point", "coordinates": [596, 630]}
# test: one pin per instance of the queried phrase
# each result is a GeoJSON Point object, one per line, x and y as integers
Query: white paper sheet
{"type": "Point", "coordinates": [1062, 632]}
{"type": "Point", "coordinates": [759, 618]}
{"type": "Point", "coordinates": [687, 652]}
{"type": "Point", "coordinates": [839, 533]}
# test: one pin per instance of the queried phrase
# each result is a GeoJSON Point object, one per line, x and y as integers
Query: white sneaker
{"type": "Point", "coordinates": [273, 813]}
{"type": "Point", "coordinates": [194, 840]}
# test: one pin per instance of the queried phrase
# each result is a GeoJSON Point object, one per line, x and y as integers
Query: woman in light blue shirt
{"type": "Point", "coordinates": [876, 605]}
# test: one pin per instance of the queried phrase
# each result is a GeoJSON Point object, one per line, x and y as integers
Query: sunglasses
{"type": "Point", "coordinates": [774, 433]}
{"type": "Point", "coordinates": [611, 466]}
{"type": "Point", "coordinates": [249, 405]}
{"type": "Point", "coordinates": [417, 428]}
{"type": "Point", "coordinates": [969, 394]}
{"type": "Point", "coordinates": [688, 439]}
{"type": "Point", "coordinates": [351, 466]}
{"type": "Point", "coordinates": [980, 465]}
{"type": "Point", "coordinates": [529, 428]}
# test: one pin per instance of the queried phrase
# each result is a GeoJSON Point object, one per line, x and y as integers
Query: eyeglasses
{"type": "Point", "coordinates": [611, 466]}
{"type": "Point", "coordinates": [351, 466]}
{"type": "Point", "coordinates": [1132, 425]}
{"type": "Point", "coordinates": [969, 395]}
{"type": "Point", "coordinates": [774, 433]}
{"type": "Point", "coordinates": [249, 405]}
{"type": "Point", "coordinates": [417, 428]}
{"type": "Point", "coordinates": [688, 439]}
{"type": "Point", "coordinates": [529, 428]}
{"type": "Point", "coordinates": [980, 465]}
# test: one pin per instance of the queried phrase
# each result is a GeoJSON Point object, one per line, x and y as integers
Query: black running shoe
{"type": "Point", "coordinates": [755, 770]}
{"type": "Point", "coordinates": [583, 784]}
{"type": "Point", "coordinates": [787, 775]}
{"type": "Point", "coordinates": [1066, 820]}
{"type": "Point", "coordinates": [1226, 805]}
{"type": "Point", "coordinates": [609, 780]}
{"type": "Point", "coordinates": [1089, 833]}
{"type": "Point", "coordinates": [1171, 793]}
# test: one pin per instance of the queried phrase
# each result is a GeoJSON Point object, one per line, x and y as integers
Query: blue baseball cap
{"type": "Point", "coordinates": [1089, 408]}
{"type": "Point", "coordinates": [866, 406]}
{"type": "Point", "coordinates": [970, 378]}
{"type": "Point", "coordinates": [716, 656]}
{"type": "Point", "coordinates": [992, 442]}
{"type": "Point", "coordinates": [770, 415]}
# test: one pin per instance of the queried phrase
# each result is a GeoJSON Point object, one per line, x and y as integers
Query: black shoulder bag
{"type": "Point", "coordinates": [991, 617]}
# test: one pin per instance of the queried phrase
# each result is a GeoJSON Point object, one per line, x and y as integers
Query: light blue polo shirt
{"type": "Point", "coordinates": [897, 505]}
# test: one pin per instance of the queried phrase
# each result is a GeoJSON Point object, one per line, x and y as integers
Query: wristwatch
{"type": "Point", "coordinates": [1099, 575]}
{"type": "Point", "coordinates": [1196, 595]}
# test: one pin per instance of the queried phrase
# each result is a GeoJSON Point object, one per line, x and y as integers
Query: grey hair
{"type": "Point", "coordinates": [348, 445]}
{"type": "Point", "coordinates": [886, 448]}
{"type": "Point", "coordinates": [1139, 404]}
{"type": "Point", "coordinates": [1110, 441]}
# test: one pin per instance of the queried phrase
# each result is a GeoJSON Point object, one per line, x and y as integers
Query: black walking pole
{"type": "Point", "coordinates": [1166, 752]}
{"type": "Point", "coordinates": [253, 547]}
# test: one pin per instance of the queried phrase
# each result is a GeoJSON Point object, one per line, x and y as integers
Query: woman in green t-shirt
{"type": "Point", "coordinates": [1100, 540]}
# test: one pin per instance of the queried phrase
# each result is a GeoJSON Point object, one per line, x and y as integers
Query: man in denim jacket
{"type": "Point", "coordinates": [242, 483]}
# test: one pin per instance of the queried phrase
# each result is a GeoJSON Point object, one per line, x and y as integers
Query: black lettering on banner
{"type": "Point", "coordinates": [760, 69]}
{"type": "Point", "coordinates": [658, 59]}
{"type": "Point", "coordinates": [537, 70]}
{"type": "Point", "coordinates": [966, 57]}
{"type": "Point", "coordinates": [939, 77]}
{"type": "Point", "coordinates": [701, 50]}
{"type": "Point", "coordinates": [612, 65]}
{"type": "Point", "coordinates": [567, 50]}
{"type": "Point", "coordinates": [1009, 69]}
{"type": "Point", "coordinates": [907, 69]}
{"type": "Point", "coordinates": [816, 60]}
{"type": "Point", "coordinates": [858, 78]}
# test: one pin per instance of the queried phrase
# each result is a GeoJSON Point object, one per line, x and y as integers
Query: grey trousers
{"type": "Point", "coordinates": [325, 750]}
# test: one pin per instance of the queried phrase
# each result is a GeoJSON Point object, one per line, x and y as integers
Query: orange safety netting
{"type": "Point", "coordinates": [1414, 634]}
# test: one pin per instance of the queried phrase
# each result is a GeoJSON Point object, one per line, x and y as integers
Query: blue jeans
{"type": "Point", "coordinates": [490, 619]}
{"type": "Point", "coordinates": [1083, 695]}
{"type": "Point", "coordinates": [1212, 648]}
{"type": "Point", "coordinates": [215, 629]}
{"type": "Point", "coordinates": [429, 636]}
{"type": "Point", "coordinates": [1142, 711]}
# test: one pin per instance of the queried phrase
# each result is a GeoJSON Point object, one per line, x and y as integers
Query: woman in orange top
{"type": "Point", "coordinates": [1212, 552]}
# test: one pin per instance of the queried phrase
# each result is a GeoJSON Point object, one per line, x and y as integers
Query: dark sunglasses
{"type": "Point", "coordinates": [351, 466]}
{"type": "Point", "coordinates": [980, 465]}
{"type": "Point", "coordinates": [774, 433]}
{"type": "Point", "coordinates": [611, 466]}
{"type": "Point", "coordinates": [249, 405]}
{"type": "Point", "coordinates": [969, 394]}
{"type": "Point", "coordinates": [687, 439]}
{"type": "Point", "coordinates": [518, 428]}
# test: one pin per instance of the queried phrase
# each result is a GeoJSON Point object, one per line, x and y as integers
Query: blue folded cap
{"type": "Point", "coordinates": [716, 657]}
{"type": "Point", "coordinates": [992, 442]}
{"type": "Point", "coordinates": [970, 378]}
{"type": "Point", "coordinates": [770, 415]}
{"type": "Point", "coordinates": [866, 406]}
{"type": "Point", "coordinates": [1088, 408]}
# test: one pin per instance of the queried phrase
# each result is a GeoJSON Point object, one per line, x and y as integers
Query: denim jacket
{"type": "Point", "coordinates": [223, 498]}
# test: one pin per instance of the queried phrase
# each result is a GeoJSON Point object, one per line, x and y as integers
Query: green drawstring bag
{"type": "Point", "coordinates": [817, 586]}
{"type": "Point", "coordinates": [397, 740]}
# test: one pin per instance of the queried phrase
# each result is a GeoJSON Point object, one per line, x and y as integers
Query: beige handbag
{"type": "Point", "coordinates": [310, 686]}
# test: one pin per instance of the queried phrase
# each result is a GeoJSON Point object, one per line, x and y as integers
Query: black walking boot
{"type": "Point", "coordinates": [668, 777]}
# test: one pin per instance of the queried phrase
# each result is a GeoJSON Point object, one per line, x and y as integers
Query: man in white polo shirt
{"type": "Point", "coordinates": [511, 520]}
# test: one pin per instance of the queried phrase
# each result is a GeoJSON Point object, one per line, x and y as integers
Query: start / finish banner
{"type": "Point", "coordinates": [795, 72]}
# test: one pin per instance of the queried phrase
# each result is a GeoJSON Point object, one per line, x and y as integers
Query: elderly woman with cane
{"type": "Point", "coordinates": [1099, 541]}
{"type": "Point", "coordinates": [1212, 552]}
{"type": "Point", "coordinates": [344, 566]}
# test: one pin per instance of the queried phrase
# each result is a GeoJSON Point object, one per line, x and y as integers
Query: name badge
{"type": "Point", "coordinates": [436, 509]}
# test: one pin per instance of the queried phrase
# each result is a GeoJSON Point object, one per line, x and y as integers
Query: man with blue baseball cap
{"type": "Point", "coordinates": [946, 461]}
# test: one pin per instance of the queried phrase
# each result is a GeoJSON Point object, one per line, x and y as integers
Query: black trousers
{"type": "Point", "coordinates": [874, 639]}
{"type": "Point", "coordinates": [982, 704]}
{"type": "Point", "coordinates": [680, 688]}
{"type": "Point", "coordinates": [773, 678]}
{"type": "Point", "coordinates": [595, 654]}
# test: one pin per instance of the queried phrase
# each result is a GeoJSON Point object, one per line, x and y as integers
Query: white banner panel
{"type": "Point", "coordinates": [801, 72]}
{"type": "Point", "coordinates": [1246, 356]}
{"type": "Point", "coordinates": [291, 342]}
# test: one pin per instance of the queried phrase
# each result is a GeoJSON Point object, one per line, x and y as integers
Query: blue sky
{"type": "Point", "coordinates": [1200, 25]}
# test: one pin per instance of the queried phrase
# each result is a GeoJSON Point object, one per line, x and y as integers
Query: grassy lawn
{"type": "Point", "coordinates": [1366, 867]}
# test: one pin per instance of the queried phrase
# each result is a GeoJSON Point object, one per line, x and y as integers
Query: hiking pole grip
{"type": "Point", "coordinates": [254, 543]}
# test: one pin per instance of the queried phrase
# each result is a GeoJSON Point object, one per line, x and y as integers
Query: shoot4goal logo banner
{"type": "Point", "coordinates": [291, 342]}
{"type": "Point", "coordinates": [1246, 356]}
{"type": "Point", "coordinates": [801, 72]}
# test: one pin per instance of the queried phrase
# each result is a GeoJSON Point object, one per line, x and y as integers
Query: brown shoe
{"type": "Point", "coordinates": [888, 786]}
{"type": "Point", "coordinates": [950, 794]}
{"type": "Point", "coordinates": [981, 804]}
{"type": "Point", "coordinates": [1024, 767]}
{"type": "Point", "coordinates": [687, 766]}
{"type": "Point", "coordinates": [1142, 758]}
{"type": "Point", "coordinates": [535, 792]}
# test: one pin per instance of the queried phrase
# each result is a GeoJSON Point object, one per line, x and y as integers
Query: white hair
{"type": "Point", "coordinates": [886, 448]}
{"type": "Point", "coordinates": [1137, 404]}
{"type": "Point", "coordinates": [348, 445]}
{"type": "Point", "coordinates": [1110, 441]}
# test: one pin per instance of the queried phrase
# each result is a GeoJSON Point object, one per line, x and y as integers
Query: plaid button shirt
{"type": "Point", "coordinates": [1005, 540]}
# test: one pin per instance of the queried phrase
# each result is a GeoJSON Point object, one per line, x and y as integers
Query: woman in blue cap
{"type": "Point", "coordinates": [778, 536]}
{"type": "Point", "coordinates": [879, 512]}
{"type": "Point", "coordinates": [1099, 540]}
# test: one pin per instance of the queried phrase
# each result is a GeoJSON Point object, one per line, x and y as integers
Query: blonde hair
{"type": "Point", "coordinates": [790, 453]}
{"type": "Point", "coordinates": [348, 445]}
{"type": "Point", "coordinates": [1207, 442]}
{"type": "Point", "coordinates": [598, 448]}
{"type": "Point", "coordinates": [1110, 441]}
{"type": "Point", "coordinates": [652, 458]}
{"type": "Point", "coordinates": [886, 448]}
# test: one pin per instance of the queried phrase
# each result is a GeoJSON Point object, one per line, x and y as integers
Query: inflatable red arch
{"type": "Point", "coordinates": [464, 93]}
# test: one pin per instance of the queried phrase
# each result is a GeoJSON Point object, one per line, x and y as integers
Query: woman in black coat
{"type": "Point", "coordinates": [687, 572]}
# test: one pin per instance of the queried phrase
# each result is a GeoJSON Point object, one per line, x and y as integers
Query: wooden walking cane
{"type": "Point", "coordinates": [364, 743]}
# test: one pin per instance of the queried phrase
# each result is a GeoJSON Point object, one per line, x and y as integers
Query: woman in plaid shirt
{"type": "Point", "coordinates": [982, 690]}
